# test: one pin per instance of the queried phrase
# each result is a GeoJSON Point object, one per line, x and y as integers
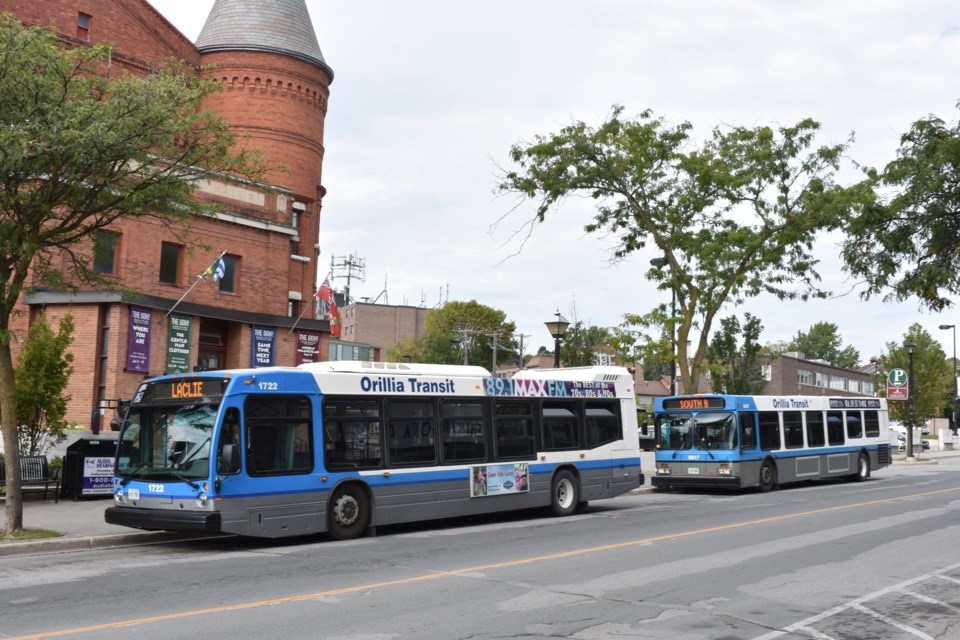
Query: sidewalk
{"type": "Point", "coordinates": [82, 525]}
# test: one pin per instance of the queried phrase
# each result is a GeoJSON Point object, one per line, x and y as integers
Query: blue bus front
{"type": "Point", "coordinates": [162, 474]}
{"type": "Point", "coordinates": [697, 442]}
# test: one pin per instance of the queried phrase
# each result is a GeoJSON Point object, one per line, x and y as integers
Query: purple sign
{"type": "Point", "coordinates": [138, 349]}
{"type": "Point", "coordinates": [308, 347]}
{"type": "Point", "coordinates": [262, 347]}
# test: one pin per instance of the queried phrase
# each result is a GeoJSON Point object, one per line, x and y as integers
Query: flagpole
{"type": "Point", "coordinates": [196, 282]}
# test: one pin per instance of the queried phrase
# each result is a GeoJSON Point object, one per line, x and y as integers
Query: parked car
{"type": "Point", "coordinates": [902, 442]}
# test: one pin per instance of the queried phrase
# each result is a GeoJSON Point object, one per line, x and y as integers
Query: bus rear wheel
{"type": "Point", "coordinates": [863, 468]}
{"type": "Point", "coordinates": [565, 493]}
{"type": "Point", "coordinates": [349, 512]}
{"type": "Point", "coordinates": [768, 477]}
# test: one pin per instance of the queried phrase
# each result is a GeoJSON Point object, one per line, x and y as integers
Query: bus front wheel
{"type": "Point", "coordinates": [565, 493]}
{"type": "Point", "coordinates": [349, 512]}
{"type": "Point", "coordinates": [768, 477]}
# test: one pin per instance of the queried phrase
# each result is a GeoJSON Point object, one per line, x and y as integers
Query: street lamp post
{"type": "Point", "coordinates": [557, 329]}
{"type": "Point", "coordinates": [910, 346]}
{"type": "Point", "coordinates": [953, 416]}
{"type": "Point", "coordinates": [662, 262]}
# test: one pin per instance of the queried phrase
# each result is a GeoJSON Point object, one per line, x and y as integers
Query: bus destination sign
{"type": "Point", "coordinates": [700, 402]}
{"type": "Point", "coordinates": [180, 390]}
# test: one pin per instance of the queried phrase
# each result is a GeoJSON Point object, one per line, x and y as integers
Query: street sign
{"type": "Point", "coordinates": [898, 386]}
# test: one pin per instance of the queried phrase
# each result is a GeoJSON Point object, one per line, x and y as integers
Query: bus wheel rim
{"type": "Point", "coordinates": [347, 510]}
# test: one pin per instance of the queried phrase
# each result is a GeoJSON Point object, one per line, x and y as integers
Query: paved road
{"type": "Point", "coordinates": [829, 560]}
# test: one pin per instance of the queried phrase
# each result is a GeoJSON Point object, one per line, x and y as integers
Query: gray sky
{"type": "Point", "coordinates": [428, 96]}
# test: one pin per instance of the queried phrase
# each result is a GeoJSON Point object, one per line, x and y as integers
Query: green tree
{"type": "Point", "coordinates": [733, 217]}
{"type": "Point", "coordinates": [42, 372]}
{"type": "Point", "coordinates": [472, 324]}
{"type": "Point", "coordinates": [932, 376]}
{"type": "Point", "coordinates": [909, 243]}
{"type": "Point", "coordinates": [79, 151]}
{"type": "Point", "coordinates": [823, 342]}
{"type": "Point", "coordinates": [581, 344]}
{"type": "Point", "coordinates": [734, 367]}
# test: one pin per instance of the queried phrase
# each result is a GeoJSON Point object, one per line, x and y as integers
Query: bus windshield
{"type": "Point", "coordinates": [166, 443]}
{"type": "Point", "coordinates": [709, 431]}
{"type": "Point", "coordinates": [716, 431]}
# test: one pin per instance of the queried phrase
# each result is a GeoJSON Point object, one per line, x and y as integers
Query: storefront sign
{"type": "Point", "coordinates": [178, 344]}
{"type": "Point", "coordinates": [308, 347]}
{"type": "Point", "coordinates": [263, 346]}
{"type": "Point", "coordinates": [138, 349]}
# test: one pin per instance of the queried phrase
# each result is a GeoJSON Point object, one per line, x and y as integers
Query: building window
{"type": "Point", "coordinates": [170, 263]}
{"type": "Point", "coordinates": [228, 283]}
{"type": "Point", "coordinates": [804, 376]}
{"type": "Point", "coordinates": [767, 372]}
{"type": "Point", "coordinates": [821, 380]}
{"type": "Point", "coordinates": [83, 26]}
{"type": "Point", "coordinates": [838, 382]}
{"type": "Point", "coordinates": [105, 252]}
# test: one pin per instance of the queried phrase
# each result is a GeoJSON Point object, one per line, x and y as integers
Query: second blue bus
{"type": "Point", "coordinates": [735, 442]}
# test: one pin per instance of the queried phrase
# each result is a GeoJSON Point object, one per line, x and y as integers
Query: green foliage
{"type": "Point", "coordinates": [909, 244]}
{"type": "Point", "coordinates": [42, 372]}
{"type": "Point", "coordinates": [81, 150]}
{"type": "Point", "coordinates": [471, 324]}
{"type": "Point", "coordinates": [822, 342]}
{"type": "Point", "coordinates": [734, 217]}
{"type": "Point", "coordinates": [932, 375]}
{"type": "Point", "coordinates": [733, 366]}
{"type": "Point", "coordinates": [581, 344]}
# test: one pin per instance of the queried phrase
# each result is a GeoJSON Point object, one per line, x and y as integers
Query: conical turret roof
{"type": "Point", "coordinates": [277, 26]}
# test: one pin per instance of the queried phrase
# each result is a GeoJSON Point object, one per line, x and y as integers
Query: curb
{"type": "Point", "coordinates": [57, 545]}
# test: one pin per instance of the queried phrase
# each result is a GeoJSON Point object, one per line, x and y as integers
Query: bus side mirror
{"type": "Point", "coordinates": [644, 428]}
{"type": "Point", "coordinates": [231, 458]}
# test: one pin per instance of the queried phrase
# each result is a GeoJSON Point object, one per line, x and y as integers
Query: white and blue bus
{"type": "Point", "coordinates": [343, 447]}
{"type": "Point", "coordinates": [734, 442]}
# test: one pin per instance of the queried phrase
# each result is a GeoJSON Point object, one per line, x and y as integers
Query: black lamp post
{"type": "Point", "coordinates": [557, 329]}
{"type": "Point", "coordinates": [953, 416]}
{"type": "Point", "coordinates": [910, 346]}
{"type": "Point", "coordinates": [662, 262]}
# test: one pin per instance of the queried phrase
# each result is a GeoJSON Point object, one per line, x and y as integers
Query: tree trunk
{"type": "Point", "coordinates": [11, 448]}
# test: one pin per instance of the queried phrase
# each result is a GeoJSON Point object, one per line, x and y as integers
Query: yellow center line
{"type": "Point", "coordinates": [467, 570]}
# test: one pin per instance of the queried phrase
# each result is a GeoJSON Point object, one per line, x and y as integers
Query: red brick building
{"type": "Point", "coordinates": [276, 86]}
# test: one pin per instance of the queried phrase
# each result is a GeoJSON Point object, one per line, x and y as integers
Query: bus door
{"type": "Point", "coordinates": [749, 466]}
{"type": "Point", "coordinates": [266, 464]}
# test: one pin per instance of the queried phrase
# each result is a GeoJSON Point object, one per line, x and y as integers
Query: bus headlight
{"type": "Point", "coordinates": [663, 471]}
{"type": "Point", "coordinates": [202, 500]}
{"type": "Point", "coordinates": [723, 471]}
{"type": "Point", "coordinates": [118, 496]}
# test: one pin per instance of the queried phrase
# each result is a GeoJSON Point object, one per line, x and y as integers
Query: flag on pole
{"type": "Point", "coordinates": [331, 312]}
{"type": "Point", "coordinates": [218, 269]}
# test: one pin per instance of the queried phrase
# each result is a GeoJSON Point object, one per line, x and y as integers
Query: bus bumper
{"type": "Point", "coordinates": [163, 520]}
{"type": "Point", "coordinates": [681, 482]}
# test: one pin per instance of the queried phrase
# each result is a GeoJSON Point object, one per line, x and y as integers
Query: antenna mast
{"type": "Point", "coordinates": [351, 266]}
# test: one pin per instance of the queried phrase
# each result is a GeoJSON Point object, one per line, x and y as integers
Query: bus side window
{"type": "Point", "coordinates": [769, 430]}
{"type": "Point", "coordinates": [835, 427]}
{"type": "Point", "coordinates": [748, 425]}
{"type": "Point", "coordinates": [815, 437]}
{"type": "Point", "coordinates": [229, 434]}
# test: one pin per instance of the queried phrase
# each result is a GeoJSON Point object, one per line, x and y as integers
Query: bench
{"type": "Point", "coordinates": [34, 474]}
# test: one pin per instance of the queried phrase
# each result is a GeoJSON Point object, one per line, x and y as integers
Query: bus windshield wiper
{"type": "Point", "coordinates": [705, 445]}
{"type": "Point", "coordinates": [129, 477]}
{"type": "Point", "coordinates": [193, 485]}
